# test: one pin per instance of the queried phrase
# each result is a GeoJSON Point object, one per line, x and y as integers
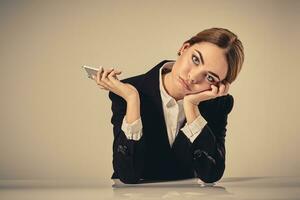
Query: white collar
{"type": "Point", "coordinates": [166, 98]}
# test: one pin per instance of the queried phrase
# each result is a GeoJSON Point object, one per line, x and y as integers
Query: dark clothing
{"type": "Point", "coordinates": [151, 157]}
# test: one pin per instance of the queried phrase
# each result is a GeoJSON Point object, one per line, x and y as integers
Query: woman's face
{"type": "Point", "coordinates": [205, 71]}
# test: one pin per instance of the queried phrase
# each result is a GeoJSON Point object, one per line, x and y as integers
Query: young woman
{"type": "Point", "coordinates": [170, 123]}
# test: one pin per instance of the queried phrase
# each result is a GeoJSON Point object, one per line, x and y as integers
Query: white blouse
{"type": "Point", "coordinates": [173, 113]}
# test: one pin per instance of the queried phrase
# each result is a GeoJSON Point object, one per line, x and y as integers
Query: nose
{"type": "Point", "coordinates": [195, 77]}
{"type": "Point", "coordinates": [190, 80]}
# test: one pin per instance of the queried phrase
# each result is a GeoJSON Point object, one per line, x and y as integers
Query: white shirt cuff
{"type": "Point", "coordinates": [193, 129]}
{"type": "Point", "coordinates": [133, 131]}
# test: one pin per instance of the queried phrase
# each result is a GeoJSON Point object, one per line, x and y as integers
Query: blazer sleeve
{"type": "Point", "coordinates": [128, 154]}
{"type": "Point", "coordinates": [206, 155]}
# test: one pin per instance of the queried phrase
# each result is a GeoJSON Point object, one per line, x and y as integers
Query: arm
{"type": "Point", "coordinates": [127, 154]}
{"type": "Point", "coordinates": [132, 123]}
{"type": "Point", "coordinates": [128, 159]}
{"type": "Point", "coordinates": [206, 154]}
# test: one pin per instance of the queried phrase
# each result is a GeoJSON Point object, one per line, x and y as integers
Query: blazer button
{"type": "Point", "coordinates": [122, 149]}
{"type": "Point", "coordinates": [197, 154]}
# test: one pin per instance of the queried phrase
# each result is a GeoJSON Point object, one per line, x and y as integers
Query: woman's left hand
{"type": "Point", "coordinates": [215, 91]}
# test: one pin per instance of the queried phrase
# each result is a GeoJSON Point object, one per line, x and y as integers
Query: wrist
{"type": "Point", "coordinates": [132, 98]}
{"type": "Point", "coordinates": [132, 109]}
{"type": "Point", "coordinates": [190, 104]}
{"type": "Point", "coordinates": [191, 111]}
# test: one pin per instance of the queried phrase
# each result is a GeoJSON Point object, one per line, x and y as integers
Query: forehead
{"type": "Point", "coordinates": [213, 56]}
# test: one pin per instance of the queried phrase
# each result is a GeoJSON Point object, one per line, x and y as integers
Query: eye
{"type": "Point", "coordinates": [210, 78]}
{"type": "Point", "coordinates": [195, 59]}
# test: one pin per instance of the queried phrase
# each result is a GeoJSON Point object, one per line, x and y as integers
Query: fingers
{"type": "Point", "coordinates": [100, 74]}
{"type": "Point", "coordinates": [227, 88]}
{"type": "Point", "coordinates": [98, 77]}
{"type": "Point", "coordinates": [113, 78]}
{"type": "Point", "coordinates": [223, 89]}
{"type": "Point", "coordinates": [214, 90]}
{"type": "Point", "coordinates": [107, 78]}
{"type": "Point", "coordinates": [220, 90]}
{"type": "Point", "coordinates": [110, 78]}
{"type": "Point", "coordinates": [103, 79]}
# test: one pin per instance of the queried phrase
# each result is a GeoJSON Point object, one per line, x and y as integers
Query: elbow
{"type": "Point", "coordinates": [212, 176]}
{"type": "Point", "coordinates": [127, 175]}
{"type": "Point", "coordinates": [210, 179]}
{"type": "Point", "coordinates": [209, 170]}
{"type": "Point", "coordinates": [129, 179]}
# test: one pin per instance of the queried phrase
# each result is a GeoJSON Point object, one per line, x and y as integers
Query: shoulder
{"type": "Point", "coordinates": [134, 80]}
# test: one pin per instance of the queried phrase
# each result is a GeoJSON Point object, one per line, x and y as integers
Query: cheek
{"type": "Point", "coordinates": [202, 87]}
{"type": "Point", "coordinates": [180, 70]}
{"type": "Point", "coordinates": [183, 65]}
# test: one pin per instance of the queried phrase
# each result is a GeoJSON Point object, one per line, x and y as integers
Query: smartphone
{"type": "Point", "coordinates": [92, 70]}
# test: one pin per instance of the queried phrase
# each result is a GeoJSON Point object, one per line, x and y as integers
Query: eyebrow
{"type": "Point", "coordinates": [216, 75]}
{"type": "Point", "coordinates": [200, 54]}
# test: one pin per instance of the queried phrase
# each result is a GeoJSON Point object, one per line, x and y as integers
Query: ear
{"type": "Point", "coordinates": [184, 47]}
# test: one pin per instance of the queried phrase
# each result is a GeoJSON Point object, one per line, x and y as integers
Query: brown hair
{"type": "Point", "coordinates": [225, 39]}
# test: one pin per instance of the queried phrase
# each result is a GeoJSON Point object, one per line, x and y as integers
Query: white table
{"type": "Point", "coordinates": [279, 188]}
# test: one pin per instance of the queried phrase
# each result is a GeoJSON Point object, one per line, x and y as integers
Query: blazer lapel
{"type": "Point", "coordinates": [150, 89]}
{"type": "Point", "coordinates": [150, 85]}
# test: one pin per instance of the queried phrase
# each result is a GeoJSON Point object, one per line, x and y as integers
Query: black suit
{"type": "Point", "coordinates": [152, 158]}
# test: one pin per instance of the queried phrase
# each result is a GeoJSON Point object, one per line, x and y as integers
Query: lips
{"type": "Point", "coordinates": [185, 85]}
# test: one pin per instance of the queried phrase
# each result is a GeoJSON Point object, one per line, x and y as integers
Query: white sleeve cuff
{"type": "Point", "coordinates": [132, 131]}
{"type": "Point", "coordinates": [193, 129]}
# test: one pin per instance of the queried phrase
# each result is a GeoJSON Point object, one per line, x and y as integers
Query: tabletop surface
{"type": "Point", "coordinates": [279, 188]}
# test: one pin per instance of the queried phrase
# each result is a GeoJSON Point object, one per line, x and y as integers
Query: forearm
{"type": "Point", "coordinates": [209, 168]}
{"type": "Point", "coordinates": [133, 109]}
{"type": "Point", "coordinates": [128, 159]}
{"type": "Point", "coordinates": [128, 155]}
{"type": "Point", "coordinates": [191, 111]}
{"type": "Point", "coordinates": [206, 155]}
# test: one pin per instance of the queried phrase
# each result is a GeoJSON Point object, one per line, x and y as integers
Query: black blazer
{"type": "Point", "coordinates": [152, 158]}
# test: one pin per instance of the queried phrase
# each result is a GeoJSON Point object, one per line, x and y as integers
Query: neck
{"type": "Point", "coordinates": [167, 83]}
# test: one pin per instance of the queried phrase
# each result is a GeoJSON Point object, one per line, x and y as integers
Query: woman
{"type": "Point", "coordinates": [170, 123]}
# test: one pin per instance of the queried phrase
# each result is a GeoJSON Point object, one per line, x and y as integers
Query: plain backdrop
{"type": "Point", "coordinates": [55, 122]}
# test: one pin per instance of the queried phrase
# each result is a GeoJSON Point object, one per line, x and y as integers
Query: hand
{"type": "Point", "coordinates": [215, 91]}
{"type": "Point", "coordinates": [108, 80]}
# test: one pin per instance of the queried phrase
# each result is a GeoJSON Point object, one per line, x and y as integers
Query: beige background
{"type": "Point", "coordinates": [55, 123]}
